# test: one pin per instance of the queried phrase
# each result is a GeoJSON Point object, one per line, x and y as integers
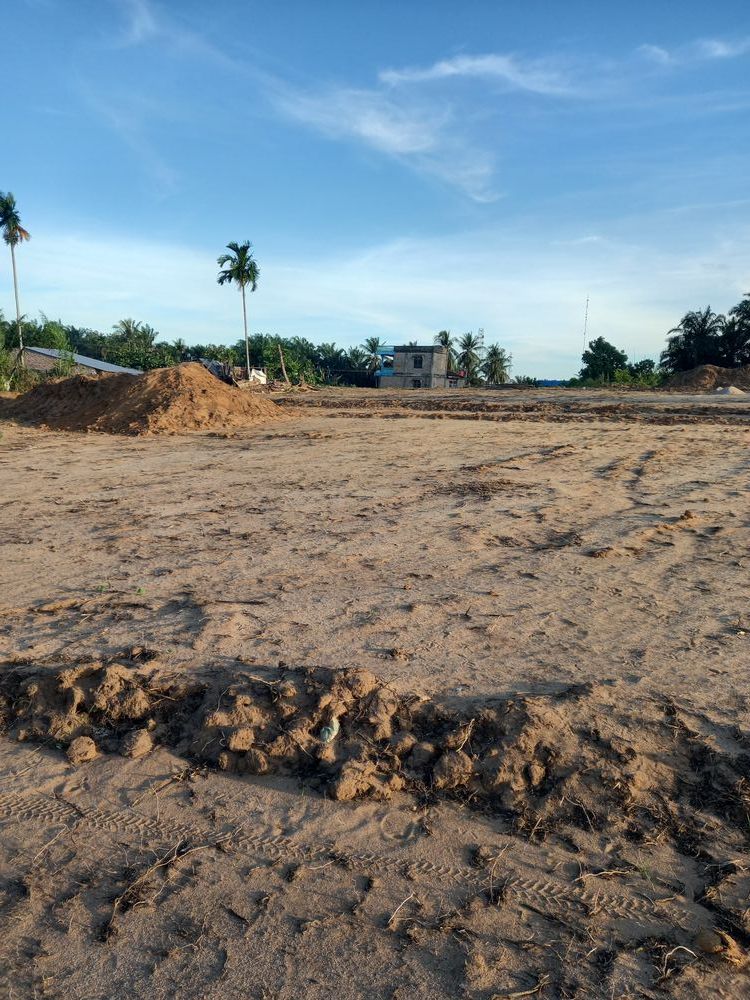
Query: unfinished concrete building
{"type": "Point", "coordinates": [416, 367]}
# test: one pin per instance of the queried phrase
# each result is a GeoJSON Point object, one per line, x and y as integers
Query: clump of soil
{"type": "Point", "coordinates": [704, 378]}
{"type": "Point", "coordinates": [583, 760]}
{"type": "Point", "coordinates": [164, 401]}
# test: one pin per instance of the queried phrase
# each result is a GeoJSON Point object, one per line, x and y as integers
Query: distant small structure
{"type": "Point", "coordinates": [45, 359]}
{"type": "Point", "coordinates": [414, 367]}
{"type": "Point", "coordinates": [232, 374]}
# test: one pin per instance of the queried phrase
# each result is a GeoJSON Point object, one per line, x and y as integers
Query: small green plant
{"type": "Point", "coordinates": [63, 367]}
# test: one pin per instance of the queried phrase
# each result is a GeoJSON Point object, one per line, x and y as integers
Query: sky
{"type": "Point", "coordinates": [400, 168]}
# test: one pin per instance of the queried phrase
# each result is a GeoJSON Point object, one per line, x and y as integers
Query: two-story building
{"type": "Point", "coordinates": [416, 367]}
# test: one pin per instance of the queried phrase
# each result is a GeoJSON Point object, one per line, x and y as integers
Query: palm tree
{"type": "Point", "coordinates": [13, 234]}
{"type": "Point", "coordinates": [470, 355]}
{"type": "Point", "coordinates": [127, 329]}
{"type": "Point", "coordinates": [180, 348]}
{"type": "Point", "coordinates": [372, 346]}
{"type": "Point", "coordinates": [694, 341]}
{"type": "Point", "coordinates": [357, 358]}
{"type": "Point", "coordinates": [240, 268]}
{"type": "Point", "coordinates": [445, 340]}
{"type": "Point", "coordinates": [497, 364]}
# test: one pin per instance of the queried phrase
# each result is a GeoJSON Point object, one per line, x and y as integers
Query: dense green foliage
{"type": "Point", "coordinates": [604, 364]}
{"type": "Point", "coordinates": [496, 365]}
{"type": "Point", "coordinates": [704, 337]}
{"type": "Point", "coordinates": [134, 344]}
{"type": "Point", "coordinates": [602, 360]}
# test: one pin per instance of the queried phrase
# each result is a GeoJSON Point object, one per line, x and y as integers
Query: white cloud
{"type": "Point", "coordinates": [714, 48]}
{"type": "Point", "coordinates": [656, 54]}
{"type": "Point", "coordinates": [146, 23]}
{"type": "Point", "coordinates": [423, 134]}
{"type": "Point", "coordinates": [364, 114]}
{"type": "Point", "coordinates": [702, 49]}
{"type": "Point", "coordinates": [140, 23]}
{"type": "Point", "coordinates": [534, 76]}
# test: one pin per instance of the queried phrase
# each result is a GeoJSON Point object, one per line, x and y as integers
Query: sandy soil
{"type": "Point", "coordinates": [561, 812]}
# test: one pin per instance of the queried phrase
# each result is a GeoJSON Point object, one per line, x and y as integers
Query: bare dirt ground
{"type": "Point", "coordinates": [395, 708]}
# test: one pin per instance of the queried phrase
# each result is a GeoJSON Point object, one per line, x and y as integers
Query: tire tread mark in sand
{"type": "Point", "coordinates": [547, 895]}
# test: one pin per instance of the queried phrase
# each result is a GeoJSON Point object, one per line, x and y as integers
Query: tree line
{"type": "Point", "coordinates": [701, 337]}
{"type": "Point", "coordinates": [135, 344]}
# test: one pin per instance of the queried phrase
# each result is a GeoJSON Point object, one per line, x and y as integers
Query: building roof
{"type": "Point", "coordinates": [83, 361]}
{"type": "Point", "coordinates": [416, 349]}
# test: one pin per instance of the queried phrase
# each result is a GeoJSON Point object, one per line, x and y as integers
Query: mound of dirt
{"type": "Point", "coordinates": [704, 378]}
{"type": "Point", "coordinates": [163, 401]}
{"type": "Point", "coordinates": [581, 760]}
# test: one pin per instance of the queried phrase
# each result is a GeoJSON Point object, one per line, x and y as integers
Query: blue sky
{"type": "Point", "coordinates": [399, 167]}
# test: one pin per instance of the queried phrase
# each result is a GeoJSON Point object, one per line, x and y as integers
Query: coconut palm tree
{"type": "Point", "coordinates": [497, 364]}
{"type": "Point", "coordinates": [127, 329]}
{"type": "Point", "coordinates": [372, 347]}
{"type": "Point", "coordinates": [180, 349]}
{"type": "Point", "coordinates": [239, 267]}
{"type": "Point", "coordinates": [470, 355]}
{"type": "Point", "coordinates": [694, 341]}
{"type": "Point", "coordinates": [357, 358]}
{"type": "Point", "coordinates": [445, 340]}
{"type": "Point", "coordinates": [13, 234]}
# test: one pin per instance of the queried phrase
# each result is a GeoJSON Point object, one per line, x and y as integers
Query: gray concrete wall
{"type": "Point", "coordinates": [431, 374]}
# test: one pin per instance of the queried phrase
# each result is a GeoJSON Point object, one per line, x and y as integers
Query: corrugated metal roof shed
{"type": "Point", "coordinates": [83, 361]}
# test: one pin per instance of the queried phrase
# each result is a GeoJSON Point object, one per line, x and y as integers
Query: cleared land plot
{"type": "Point", "coordinates": [562, 810]}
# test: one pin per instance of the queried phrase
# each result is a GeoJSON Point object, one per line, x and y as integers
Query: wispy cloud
{"type": "Point", "coordinates": [716, 48]}
{"type": "Point", "coordinates": [700, 50]}
{"type": "Point", "coordinates": [145, 22]}
{"type": "Point", "coordinates": [415, 115]}
{"type": "Point", "coordinates": [130, 112]}
{"type": "Point", "coordinates": [421, 133]}
{"type": "Point", "coordinates": [656, 53]}
{"type": "Point", "coordinates": [382, 123]}
{"type": "Point", "coordinates": [128, 117]}
{"type": "Point", "coordinates": [140, 25]}
{"type": "Point", "coordinates": [536, 76]}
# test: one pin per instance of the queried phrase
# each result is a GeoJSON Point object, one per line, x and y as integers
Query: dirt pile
{"type": "Point", "coordinates": [704, 378]}
{"type": "Point", "coordinates": [581, 763]}
{"type": "Point", "coordinates": [164, 401]}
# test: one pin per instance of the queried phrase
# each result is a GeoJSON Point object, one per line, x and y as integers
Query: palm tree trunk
{"type": "Point", "coordinates": [247, 342]}
{"type": "Point", "coordinates": [283, 366]}
{"type": "Point", "coordinates": [18, 307]}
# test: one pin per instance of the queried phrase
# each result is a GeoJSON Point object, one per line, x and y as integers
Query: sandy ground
{"type": "Point", "coordinates": [591, 568]}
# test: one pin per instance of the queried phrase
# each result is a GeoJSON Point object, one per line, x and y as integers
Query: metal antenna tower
{"type": "Point", "coordinates": [585, 322]}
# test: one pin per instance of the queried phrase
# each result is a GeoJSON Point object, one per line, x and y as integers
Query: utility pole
{"type": "Point", "coordinates": [585, 322]}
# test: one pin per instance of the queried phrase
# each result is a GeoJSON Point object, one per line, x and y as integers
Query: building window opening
{"type": "Point", "coordinates": [417, 360]}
